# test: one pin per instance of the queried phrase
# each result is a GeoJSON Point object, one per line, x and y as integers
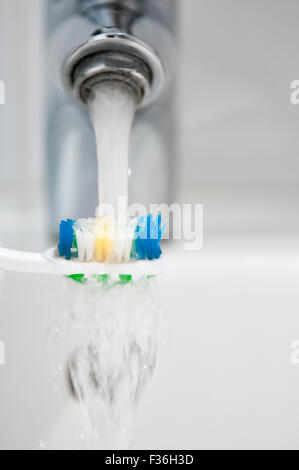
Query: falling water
{"type": "Point", "coordinates": [112, 110]}
{"type": "Point", "coordinates": [115, 333]}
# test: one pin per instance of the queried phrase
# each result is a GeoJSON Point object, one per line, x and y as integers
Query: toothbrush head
{"type": "Point", "coordinates": [104, 240]}
{"type": "Point", "coordinates": [103, 249]}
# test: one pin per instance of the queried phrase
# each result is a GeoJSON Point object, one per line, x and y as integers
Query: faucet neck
{"type": "Point", "coordinates": [116, 14]}
{"type": "Point", "coordinates": [137, 6]}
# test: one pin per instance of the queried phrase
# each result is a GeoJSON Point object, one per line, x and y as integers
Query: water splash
{"type": "Point", "coordinates": [114, 332]}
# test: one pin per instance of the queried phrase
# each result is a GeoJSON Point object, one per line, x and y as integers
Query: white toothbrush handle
{"type": "Point", "coordinates": [20, 261]}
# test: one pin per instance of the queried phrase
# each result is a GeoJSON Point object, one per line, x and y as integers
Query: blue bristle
{"type": "Point", "coordinates": [66, 238]}
{"type": "Point", "coordinates": [148, 237]}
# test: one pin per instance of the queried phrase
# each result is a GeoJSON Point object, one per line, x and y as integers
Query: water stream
{"type": "Point", "coordinates": [112, 111]}
{"type": "Point", "coordinates": [114, 328]}
{"type": "Point", "coordinates": [114, 333]}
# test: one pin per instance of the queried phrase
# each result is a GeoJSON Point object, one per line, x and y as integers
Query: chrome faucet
{"type": "Point", "coordinates": [93, 40]}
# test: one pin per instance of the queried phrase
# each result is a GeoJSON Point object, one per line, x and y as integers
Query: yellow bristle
{"type": "Point", "coordinates": [104, 238]}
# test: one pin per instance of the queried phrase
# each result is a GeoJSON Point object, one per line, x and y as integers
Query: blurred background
{"type": "Point", "coordinates": [225, 380]}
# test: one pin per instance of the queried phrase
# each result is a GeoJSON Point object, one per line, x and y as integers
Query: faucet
{"type": "Point", "coordinates": [89, 41]}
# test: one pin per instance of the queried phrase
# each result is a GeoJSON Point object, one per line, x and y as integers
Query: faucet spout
{"type": "Point", "coordinates": [114, 56]}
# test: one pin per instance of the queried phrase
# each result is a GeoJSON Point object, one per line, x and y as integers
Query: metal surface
{"type": "Point", "coordinates": [116, 56]}
{"type": "Point", "coordinates": [134, 5]}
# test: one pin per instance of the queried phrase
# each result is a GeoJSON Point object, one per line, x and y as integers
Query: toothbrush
{"type": "Point", "coordinates": [140, 256]}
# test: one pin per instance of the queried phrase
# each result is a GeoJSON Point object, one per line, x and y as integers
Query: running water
{"type": "Point", "coordinates": [112, 110]}
{"type": "Point", "coordinates": [114, 333]}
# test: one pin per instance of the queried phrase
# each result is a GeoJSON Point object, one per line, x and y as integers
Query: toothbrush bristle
{"type": "Point", "coordinates": [66, 238]}
{"type": "Point", "coordinates": [148, 237]}
{"type": "Point", "coordinates": [103, 240]}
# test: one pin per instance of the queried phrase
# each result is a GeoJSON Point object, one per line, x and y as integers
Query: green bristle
{"type": "Point", "coordinates": [74, 249]}
{"type": "Point", "coordinates": [75, 244]}
{"type": "Point", "coordinates": [125, 279]}
{"type": "Point", "coordinates": [80, 278]}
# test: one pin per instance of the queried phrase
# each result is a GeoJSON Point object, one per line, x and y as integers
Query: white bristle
{"type": "Point", "coordinates": [90, 245]}
{"type": "Point", "coordinates": [80, 244]}
{"type": "Point", "coordinates": [127, 250]}
{"type": "Point", "coordinates": [119, 250]}
{"type": "Point", "coordinates": [85, 235]}
{"type": "Point", "coordinates": [85, 231]}
{"type": "Point", "coordinates": [131, 228]}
